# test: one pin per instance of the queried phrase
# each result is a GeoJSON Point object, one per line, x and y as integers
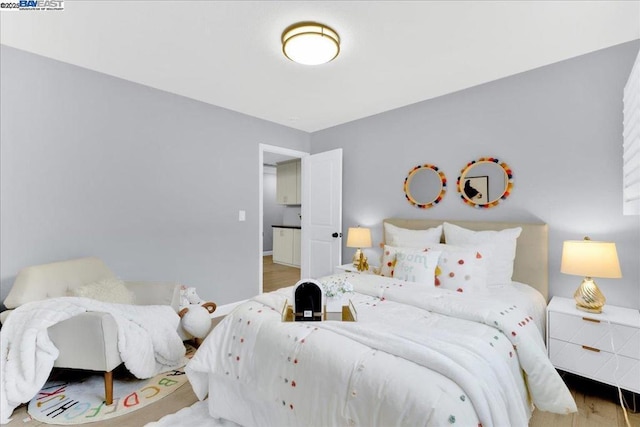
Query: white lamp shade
{"type": "Point", "coordinates": [590, 259]}
{"type": "Point", "coordinates": [309, 43]}
{"type": "Point", "coordinates": [358, 237]}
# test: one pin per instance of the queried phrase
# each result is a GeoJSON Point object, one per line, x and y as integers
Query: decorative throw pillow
{"type": "Point", "coordinates": [501, 245]}
{"type": "Point", "coordinates": [388, 261]}
{"type": "Point", "coordinates": [460, 269]}
{"type": "Point", "coordinates": [111, 290]}
{"type": "Point", "coordinates": [416, 266]}
{"type": "Point", "coordinates": [406, 238]}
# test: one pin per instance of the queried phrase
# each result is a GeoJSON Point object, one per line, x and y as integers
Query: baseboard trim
{"type": "Point", "coordinates": [267, 253]}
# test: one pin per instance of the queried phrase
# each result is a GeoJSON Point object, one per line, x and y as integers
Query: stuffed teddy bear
{"type": "Point", "coordinates": [195, 314]}
{"type": "Point", "coordinates": [196, 318]}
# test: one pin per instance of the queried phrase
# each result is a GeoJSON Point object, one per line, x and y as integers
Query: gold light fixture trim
{"type": "Point", "coordinates": [590, 259]}
{"type": "Point", "coordinates": [310, 43]}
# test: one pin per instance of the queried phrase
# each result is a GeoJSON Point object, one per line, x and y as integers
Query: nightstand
{"type": "Point", "coordinates": [581, 343]}
{"type": "Point", "coordinates": [350, 268]}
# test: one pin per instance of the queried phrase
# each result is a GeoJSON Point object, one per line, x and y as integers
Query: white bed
{"type": "Point", "coordinates": [418, 355]}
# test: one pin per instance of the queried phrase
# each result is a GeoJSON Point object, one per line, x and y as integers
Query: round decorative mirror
{"type": "Point", "coordinates": [483, 183]}
{"type": "Point", "coordinates": [425, 186]}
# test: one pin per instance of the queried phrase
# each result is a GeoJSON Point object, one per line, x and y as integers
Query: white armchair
{"type": "Point", "coordinates": [88, 341]}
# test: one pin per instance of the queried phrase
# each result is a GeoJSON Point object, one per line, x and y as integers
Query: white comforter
{"type": "Point", "coordinates": [417, 356]}
{"type": "Point", "coordinates": [147, 341]}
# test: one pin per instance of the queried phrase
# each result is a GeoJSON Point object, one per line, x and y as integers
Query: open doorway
{"type": "Point", "coordinates": [280, 217]}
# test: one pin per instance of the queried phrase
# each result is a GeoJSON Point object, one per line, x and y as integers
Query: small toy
{"type": "Point", "coordinates": [196, 318]}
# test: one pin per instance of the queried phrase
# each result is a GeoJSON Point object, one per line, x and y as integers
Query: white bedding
{"type": "Point", "coordinates": [147, 340]}
{"type": "Point", "coordinates": [418, 355]}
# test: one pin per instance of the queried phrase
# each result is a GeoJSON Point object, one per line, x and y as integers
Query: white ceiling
{"type": "Point", "coordinates": [393, 53]}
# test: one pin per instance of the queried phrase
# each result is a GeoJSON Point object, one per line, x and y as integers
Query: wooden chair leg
{"type": "Point", "coordinates": [108, 388]}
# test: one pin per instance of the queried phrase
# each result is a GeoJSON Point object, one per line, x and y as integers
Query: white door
{"type": "Point", "coordinates": [321, 244]}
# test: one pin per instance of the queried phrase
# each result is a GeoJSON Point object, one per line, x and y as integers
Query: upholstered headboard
{"type": "Point", "coordinates": [531, 264]}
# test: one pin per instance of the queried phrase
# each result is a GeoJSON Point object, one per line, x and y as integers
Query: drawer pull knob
{"type": "Point", "coordinates": [591, 320]}
{"type": "Point", "coordinates": [586, 347]}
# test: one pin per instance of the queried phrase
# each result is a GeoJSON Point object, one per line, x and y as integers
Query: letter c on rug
{"type": "Point", "coordinates": [152, 388]}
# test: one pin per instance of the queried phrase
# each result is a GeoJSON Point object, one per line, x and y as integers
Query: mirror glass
{"type": "Point", "coordinates": [483, 183]}
{"type": "Point", "coordinates": [424, 186]}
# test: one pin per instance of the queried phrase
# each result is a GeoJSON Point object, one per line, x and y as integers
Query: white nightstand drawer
{"type": "Point", "coordinates": [592, 332]}
{"type": "Point", "coordinates": [598, 365]}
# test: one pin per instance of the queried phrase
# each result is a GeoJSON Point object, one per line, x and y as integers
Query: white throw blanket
{"type": "Point", "coordinates": [147, 341]}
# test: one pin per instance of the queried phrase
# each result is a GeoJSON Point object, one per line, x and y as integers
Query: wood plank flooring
{"type": "Point", "coordinates": [598, 406]}
{"type": "Point", "coordinates": [276, 276]}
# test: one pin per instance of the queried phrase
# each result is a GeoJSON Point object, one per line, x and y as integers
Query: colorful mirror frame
{"type": "Point", "coordinates": [439, 196]}
{"type": "Point", "coordinates": [508, 187]}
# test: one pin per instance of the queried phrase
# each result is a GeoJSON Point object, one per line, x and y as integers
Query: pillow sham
{"type": "Point", "coordinates": [406, 238]}
{"type": "Point", "coordinates": [111, 290]}
{"type": "Point", "coordinates": [461, 269]}
{"type": "Point", "coordinates": [416, 266]}
{"type": "Point", "coordinates": [501, 245]}
{"type": "Point", "coordinates": [388, 261]}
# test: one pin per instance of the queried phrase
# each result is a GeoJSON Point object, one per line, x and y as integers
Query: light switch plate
{"type": "Point", "coordinates": [242, 215]}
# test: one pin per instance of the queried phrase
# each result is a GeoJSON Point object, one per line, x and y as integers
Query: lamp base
{"type": "Point", "coordinates": [589, 297]}
{"type": "Point", "coordinates": [356, 257]}
{"type": "Point", "coordinates": [362, 263]}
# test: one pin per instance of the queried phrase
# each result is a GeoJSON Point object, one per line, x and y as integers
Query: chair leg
{"type": "Point", "coordinates": [108, 388]}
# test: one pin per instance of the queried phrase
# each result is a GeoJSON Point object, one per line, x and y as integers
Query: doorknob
{"type": "Point", "coordinates": [336, 235]}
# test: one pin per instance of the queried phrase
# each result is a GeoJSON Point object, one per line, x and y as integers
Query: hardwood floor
{"type": "Point", "coordinates": [276, 276]}
{"type": "Point", "coordinates": [598, 406]}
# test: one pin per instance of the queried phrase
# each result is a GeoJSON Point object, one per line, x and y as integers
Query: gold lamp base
{"type": "Point", "coordinates": [588, 297]}
{"type": "Point", "coordinates": [362, 263]}
{"type": "Point", "coordinates": [356, 257]}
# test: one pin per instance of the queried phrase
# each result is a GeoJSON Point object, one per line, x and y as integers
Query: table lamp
{"type": "Point", "coordinates": [590, 259]}
{"type": "Point", "coordinates": [359, 238]}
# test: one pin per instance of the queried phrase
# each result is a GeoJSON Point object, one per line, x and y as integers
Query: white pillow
{"type": "Point", "coordinates": [405, 238]}
{"type": "Point", "coordinates": [111, 290]}
{"type": "Point", "coordinates": [416, 266]}
{"type": "Point", "coordinates": [388, 260]}
{"type": "Point", "coordinates": [501, 245]}
{"type": "Point", "coordinates": [461, 269]}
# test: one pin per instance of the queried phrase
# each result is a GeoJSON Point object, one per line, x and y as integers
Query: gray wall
{"type": "Point", "coordinates": [560, 129]}
{"type": "Point", "coordinates": [152, 182]}
{"type": "Point", "coordinates": [149, 181]}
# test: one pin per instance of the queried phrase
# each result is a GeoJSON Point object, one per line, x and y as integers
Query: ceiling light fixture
{"type": "Point", "coordinates": [310, 43]}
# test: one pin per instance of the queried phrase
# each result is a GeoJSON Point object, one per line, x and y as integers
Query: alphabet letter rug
{"type": "Point", "coordinates": [67, 402]}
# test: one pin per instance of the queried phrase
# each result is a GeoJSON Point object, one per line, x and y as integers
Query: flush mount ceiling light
{"type": "Point", "coordinates": [310, 43]}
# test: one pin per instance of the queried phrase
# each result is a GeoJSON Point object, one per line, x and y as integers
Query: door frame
{"type": "Point", "coordinates": [262, 148]}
